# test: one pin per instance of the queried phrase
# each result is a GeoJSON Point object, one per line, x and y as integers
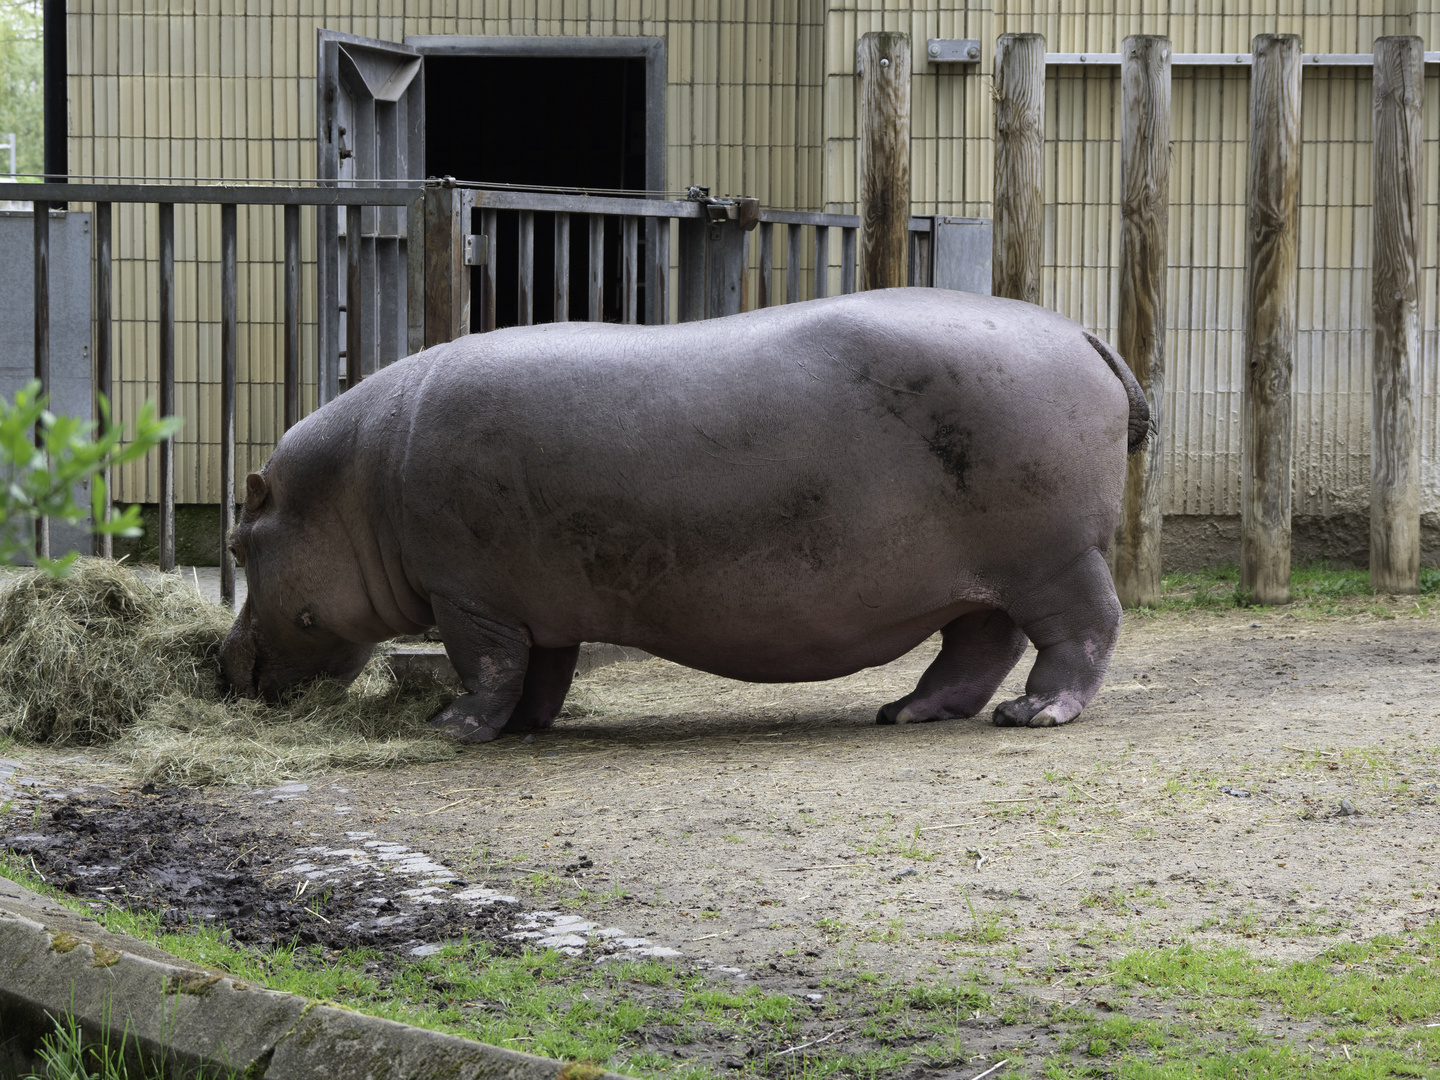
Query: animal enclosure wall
{"type": "Point", "coordinates": [760, 101]}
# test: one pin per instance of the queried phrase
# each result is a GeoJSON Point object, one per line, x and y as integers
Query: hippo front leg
{"type": "Point", "coordinates": [547, 681]}
{"type": "Point", "coordinates": [490, 656]}
{"type": "Point", "coordinates": [1074, 621]}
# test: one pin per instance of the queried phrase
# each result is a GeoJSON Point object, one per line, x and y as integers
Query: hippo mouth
{"type": "Point", "coordinates": [239, 655]}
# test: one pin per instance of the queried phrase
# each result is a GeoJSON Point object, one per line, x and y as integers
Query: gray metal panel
{"type": "Point", "coordinates": [960, 254]}
{"type": "Point", "coordinates": [371, 126]}
{"type": "Point", "coordinates": [70, 385]}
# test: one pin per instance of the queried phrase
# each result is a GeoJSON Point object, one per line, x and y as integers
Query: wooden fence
{"type": "Point", "coordinates": [449, 266]}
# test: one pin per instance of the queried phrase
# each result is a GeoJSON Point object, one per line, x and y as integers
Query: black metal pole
{"type": "Point", "coordinates": [57, 150]}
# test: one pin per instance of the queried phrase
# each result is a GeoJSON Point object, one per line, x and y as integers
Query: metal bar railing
{"type": "Point", "coordinates": [167, 382]}
{"type": "Point", "coordinates": [166, 197]}
{"type": "Point", "coordinates": [442, 248]}
{"type": "Point", "coordinates": [104, 343]}
{"type": "Point", "coordinates": [42, 339]}
{"type": "Point", "coordinates": [229, 354]}
{"type": "Point", "coordinates": [292, 314]}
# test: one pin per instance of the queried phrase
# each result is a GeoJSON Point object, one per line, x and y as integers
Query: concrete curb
{"type": "Point", "coordinates": [54, 961]}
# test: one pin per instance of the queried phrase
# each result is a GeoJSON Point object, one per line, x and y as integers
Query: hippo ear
{"type": "Point", "coordinates": [257, 491]}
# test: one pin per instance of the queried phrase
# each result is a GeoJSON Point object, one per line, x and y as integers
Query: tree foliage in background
{"type": "Point", "coordinates": [22, 69]}
{"type": "Point", "coordinates": [44, 481]}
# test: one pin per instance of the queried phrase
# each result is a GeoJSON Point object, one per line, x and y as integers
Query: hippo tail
{"type": "Point", "coordinates": [1142, 426]}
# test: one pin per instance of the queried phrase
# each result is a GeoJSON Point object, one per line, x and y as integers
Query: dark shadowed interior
{"type": "Point", "coordinates": [561, 122]}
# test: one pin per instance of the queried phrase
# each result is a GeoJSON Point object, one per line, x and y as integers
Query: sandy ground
{"type": "Point", "coordinates": [1269, 780]}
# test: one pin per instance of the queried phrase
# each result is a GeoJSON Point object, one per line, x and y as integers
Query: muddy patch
{"type": "Point", "coordinates": [195, 864]}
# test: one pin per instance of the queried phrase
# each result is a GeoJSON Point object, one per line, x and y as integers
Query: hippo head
{"type": "Point", "coordinates": [304, 587]}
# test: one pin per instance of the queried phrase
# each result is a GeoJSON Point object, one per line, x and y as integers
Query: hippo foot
{"type": "Point", "coordinates": [906, 711]}
{"type": "Point", "coordinates": [461, 720]}
{"type": "Point", "coordinates": [1036, 712]}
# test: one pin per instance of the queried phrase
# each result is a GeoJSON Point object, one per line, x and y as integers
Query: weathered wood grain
{"type": "Point", "coordinates": [446, 312]}
{"type": "Point", "coordinates": [1399, 83]}
{"type": "Point", "coordinates": [1144, 223]}
{"type": "Point", "coordinates": [1019, 142]}
{"type": "Point", "coordinates": [562, 268]}
{"type": "Point", "coordinates": [883, 159]}
{"type": "Point", "coordinates": [1271, 298]}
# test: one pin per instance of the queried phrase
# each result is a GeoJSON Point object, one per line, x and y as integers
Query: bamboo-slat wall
{"type": "Point", "coordinates": [761, 101]}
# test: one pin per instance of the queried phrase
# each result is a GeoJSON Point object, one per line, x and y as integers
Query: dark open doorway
{"type": "Point", "coordinates": [551, 121]}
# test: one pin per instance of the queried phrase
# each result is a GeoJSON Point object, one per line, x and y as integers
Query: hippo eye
{"type": "Point", "coordinates": [239, 553]}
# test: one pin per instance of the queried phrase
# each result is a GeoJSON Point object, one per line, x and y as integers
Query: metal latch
{"type": "Point", "coordinates": [745, 212]}
{"type": "Point", "coordinates": [477, 251]}
{"type": "Point", "coordinates": [953, 50]}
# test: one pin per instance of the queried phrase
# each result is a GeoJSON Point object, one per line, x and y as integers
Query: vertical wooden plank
{"type": "Point", "coordinates": [1145, 216]}
{"type": "Point", "coordinates": [447, 313]}
{"type": "Point", "coordinates": [167, 383]}
{"type": "Point", "coordinates": [883, 159]}
{"type": "Point", "coordinates": [822, 261]}
{"type": "Point", "coordinates": [562, 267]}
{"type": "Point", "coordinates": [767, 264]}
{"type": "Point", "coordinates": [690, 285]}
{"type": "Point", "coordinates": [525, 293]}
{"type": "Point", "coordinates": [1271, 281]}
{"type": "Point", "coordinates": [596, 305]}
{"type": "Point", "coordinates": [847, 260]}
{"type": "Point", "coordinates": [415, 275]}
{"type": "Point", "coordinates": [327, 271]}
{"type": "Point", "coordinates": [229, 350]}
{"type": "Point", "coordinates": [792, 264]}
{"type": "Point", "coordinates": [1395, 493]}
{"type": "Point", "coordinates": [292, 316]}
{"type": "Point", "coordinates": [486, 301]}
{"type": "Point", "coordinates": [630, 269]}
{"type": "Point", "coordinates": [1019, 146]}
{"type": "Point", "coordinates": [357, 310]}
{"type": "Point", "coordinates": [657, 281]}
{"type": "Point", "coordinates": [41, 303]}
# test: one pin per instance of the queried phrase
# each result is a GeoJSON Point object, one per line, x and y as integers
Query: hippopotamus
{"type": "Point", "coordinates": [782, 495]}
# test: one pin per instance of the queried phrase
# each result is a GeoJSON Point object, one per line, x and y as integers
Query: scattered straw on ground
{"type": "Point", "coordinates": [109, 657]}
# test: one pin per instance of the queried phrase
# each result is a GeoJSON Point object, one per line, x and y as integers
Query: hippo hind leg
{"type": "Point", "coordinates": [547, 681]}
{"type": "Point", "coordinates": [977, 651]}
{"type": "Point", "coordinates": [490, 656]}
{"type": "Point", "coordinates": [1074, 621]}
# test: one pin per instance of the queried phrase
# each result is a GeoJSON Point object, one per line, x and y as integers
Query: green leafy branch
{"type": "Point", "coordinates": [44, 480]}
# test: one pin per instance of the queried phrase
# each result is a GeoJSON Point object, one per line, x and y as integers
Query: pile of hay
{"type": "Point", "coordinates": [108, 656]}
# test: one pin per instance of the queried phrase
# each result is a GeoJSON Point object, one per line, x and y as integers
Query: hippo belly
{"type": "Point", "coordinates": [790, 494]}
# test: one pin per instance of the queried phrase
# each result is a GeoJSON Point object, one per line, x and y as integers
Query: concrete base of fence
{"type": "Point", "coordinates": [1192, 542]}
{"type": "Point", "coordinates": [54, 962]}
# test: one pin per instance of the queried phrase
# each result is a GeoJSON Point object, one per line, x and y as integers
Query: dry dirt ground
{"type": "Point", "coordinates": [1252, 778]}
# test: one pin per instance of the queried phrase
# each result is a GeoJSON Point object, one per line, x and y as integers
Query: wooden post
{"type": "Point", "coordinates": [883, 159]}
{"type": "Point", "coordinates": [1144, 216]}
{"type": "Point", "coordinates": [445, 300]}
{"type": "Point", "coordinates": [1394, 446]}
{"type": "Point", "coordinates": [1019, 142]}
{"type": "Point", "coordinates": [1271, 298]}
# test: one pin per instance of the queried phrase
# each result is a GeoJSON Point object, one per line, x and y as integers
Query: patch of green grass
{"type": "Point", "coordinates": [1316, 588]}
